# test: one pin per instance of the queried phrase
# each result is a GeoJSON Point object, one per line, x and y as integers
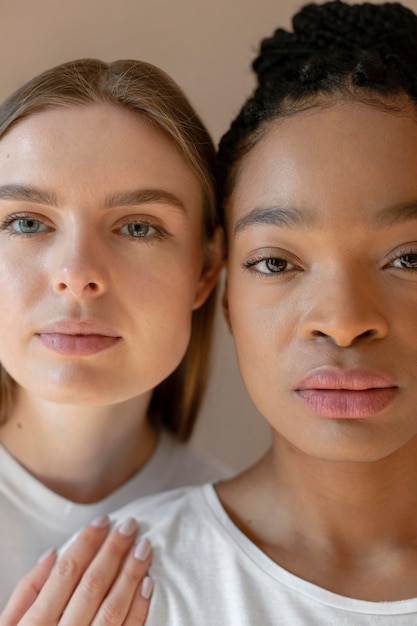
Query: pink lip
{"type": "Point", "coordinates": [77, 338]}
{"type": "Point", "coordinates": [351, 393]}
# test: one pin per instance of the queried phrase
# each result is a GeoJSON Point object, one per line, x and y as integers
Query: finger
{"type": "Point", "coordinates": [117, 604]}
{"type": "Point", "coordinates": [65, 575]}
{"type": "Point", "coordinates": [102, 574]}
{"type": "Point", "coordinates": [140, 605]}
{"type": "Point", "coordinates": [27, 590]}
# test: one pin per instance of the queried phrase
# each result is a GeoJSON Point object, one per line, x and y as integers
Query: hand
{"type": "Point", "coordinates": [98, 581]}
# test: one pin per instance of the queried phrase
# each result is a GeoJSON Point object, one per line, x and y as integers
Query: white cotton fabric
{"type": "Point", "coordinates": [208, 573]}
{"type": "Point", "coordinates": [33, 518]}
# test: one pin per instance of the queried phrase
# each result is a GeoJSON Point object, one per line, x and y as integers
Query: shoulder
{"type": "Point", "coordinates": [157, 512]}
{"type": "Point", "coordinates": [185, 528]}
{"type": "Point", "coordinates": [177, 519]}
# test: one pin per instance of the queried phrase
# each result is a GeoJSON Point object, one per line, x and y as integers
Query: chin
{"type": "Point", "coordinates": [79, 396]}
{"type": "Point", "coordinates": [78, 388]}
{"type": "Point", "coordinates": [356, 451]}
{"type": "Point", "coordinates": [346, 441]}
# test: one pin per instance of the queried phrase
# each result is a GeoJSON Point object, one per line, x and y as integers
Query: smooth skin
{"type": "Point", "coordinates": [83, 264]}
{"type": "Point", "coordinates": [100, 221]}
{"type": "Point", "coordinates": [322, 272]}
{"type": "Point", "coordinates": [110, 589]}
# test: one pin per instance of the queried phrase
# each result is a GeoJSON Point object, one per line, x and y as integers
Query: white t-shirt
{"type": "Point", "coordinates": [33, 518]}
{"type": "Point", "coordinates": [208, 573]}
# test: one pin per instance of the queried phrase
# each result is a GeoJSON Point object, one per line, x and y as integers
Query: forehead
{"type": "Point", "coordinates": [93, 149]}
{"type": "Point", "coordinates": [92, 124]}
{"type": "Point", "coordinates": [330, 161]}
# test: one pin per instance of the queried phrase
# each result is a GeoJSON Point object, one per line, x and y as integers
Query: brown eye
{"type": "Point", "coordinates": [269, 262]}
{"type": "Point", "coordinates": [406, 261]}
{"type": "Point", "coordinates": [276, 265]}
{"type": "Point", "coordinates": [409, 261]}
{"type": "Point", "coordinates": [273, 266]}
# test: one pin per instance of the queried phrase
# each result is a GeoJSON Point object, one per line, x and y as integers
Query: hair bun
{"type": "Point", "coordinates": [389, 29]}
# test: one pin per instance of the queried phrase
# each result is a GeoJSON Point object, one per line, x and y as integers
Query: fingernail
{"type": "Point", "coordinates": [142, 550]}
{"type": "Point", "coordinates": [101, 522]}
{"type": "Point", "coordinates": [147, 587]}
{"type": "Point", "coordinates": [128, 527]}
{"type": "Point", "coordinates": [45, 555]}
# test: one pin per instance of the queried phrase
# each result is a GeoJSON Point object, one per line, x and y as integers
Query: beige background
{"type": "Point", "coordinates": [207, 47]}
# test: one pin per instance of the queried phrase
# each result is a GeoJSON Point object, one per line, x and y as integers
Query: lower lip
{"type": "Point", "coordinates": [77, 345]}
{"type": "Point", "coordinates": [343, 403]}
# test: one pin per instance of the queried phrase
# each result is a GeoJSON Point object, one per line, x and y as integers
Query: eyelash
{"type": "Point", "coordinates": [408, 251]}
{"type": "Point", "coordinates": [252, 264]}
{"type": "Point", "coordinates": [6, 226]}
{"type": "Point", "coordinates": [159, 233]}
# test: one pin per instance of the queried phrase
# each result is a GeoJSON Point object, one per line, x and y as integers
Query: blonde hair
{"type": "Point", "coordinates": [148, 91]}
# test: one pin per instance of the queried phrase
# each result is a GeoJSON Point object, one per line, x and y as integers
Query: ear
{"type": "Point", "coordinates": [212, 265]}
{"type": "Point", "coordinates": [225, 306]}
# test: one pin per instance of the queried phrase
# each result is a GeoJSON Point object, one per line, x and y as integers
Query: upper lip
{"type": "Point", "coordinates": [77, 327]}
{"type": "Point", "coordinates": [355, 379]}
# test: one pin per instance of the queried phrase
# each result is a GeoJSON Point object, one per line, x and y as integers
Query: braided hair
{"type": "Point", "coordinates": [365, 52]}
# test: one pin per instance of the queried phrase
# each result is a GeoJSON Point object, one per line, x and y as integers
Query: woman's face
{"type": "Point", "coordinates": [322, 279]}
{"type": "Point", "coordinates": [101, 255]}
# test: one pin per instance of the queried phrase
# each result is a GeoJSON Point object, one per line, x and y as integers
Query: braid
{"type": "Point", "coordinates": [386, 29]}
{"type": "Point", "coordinates": [360, 51]}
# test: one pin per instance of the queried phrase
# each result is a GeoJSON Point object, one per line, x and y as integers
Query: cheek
{"type": "Point", "coordinates": [264, 331]}
{"type": "Point", "coordinates": [255, 341]}
{"type": "Point", "coordinates": [164, 285]}
{"type": "Point", "coordinates": [261, 321]}
{"type": "Point", "coordinates": [160, 302]}
{"type": "Point", "coordinates": [20, 280]}
{"type": "Point", "coordinates": [21, 292]}
{"type": "Point", "coordinates": [162, 329]}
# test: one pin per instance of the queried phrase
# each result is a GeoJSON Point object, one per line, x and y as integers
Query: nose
{"type": "Point", "coordinates": [345, 309]}
{"type": "Point", "coordinates": [79, 269]}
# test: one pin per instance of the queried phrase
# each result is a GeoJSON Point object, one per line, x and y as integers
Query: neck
{"type": "Point", "coordinates": [351, 505]}
{"type": "Point", "coordinates": [334, 524]}
{"type": "Point", "coordinates": [82, 452]}
{"type": "Point", "coordinates": [336, 506]}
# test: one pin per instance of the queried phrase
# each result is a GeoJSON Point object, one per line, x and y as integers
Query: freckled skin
{"type": "Point", "coordinates": [145, 289]}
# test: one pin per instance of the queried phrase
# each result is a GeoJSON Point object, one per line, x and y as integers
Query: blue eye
{"type": "Point", "coordinates": [28, 225]}
{"type": "Point", "coordinates": [138, 229]}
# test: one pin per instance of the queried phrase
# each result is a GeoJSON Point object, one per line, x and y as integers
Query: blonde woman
{"type": "Point", "coordinates": [109, 253]}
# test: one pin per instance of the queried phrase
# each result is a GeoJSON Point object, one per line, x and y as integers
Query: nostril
{"type": "Point", "coordinates": [75, 288]}
{"type": "Point", "coordinates": [335, 336]}
{"type": "Point", "coordinates": [318, 333]}
{"type": "Point", "coordinates": [368, 333]}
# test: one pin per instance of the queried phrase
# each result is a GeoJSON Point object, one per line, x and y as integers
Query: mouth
{"type": "Point", "coordinates": [346, 394]}
{"type": "Point", "coordinates": [77, 338]}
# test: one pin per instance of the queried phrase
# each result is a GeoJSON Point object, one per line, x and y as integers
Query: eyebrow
{"type": "Point", "coordinates": [28, 193]}
{"type": "Point", "coordinates": [392, 215]}
{"type": "Point", "coordinates": [289, 217]}
{"type": "Point", "coordinates": [143, 196]}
